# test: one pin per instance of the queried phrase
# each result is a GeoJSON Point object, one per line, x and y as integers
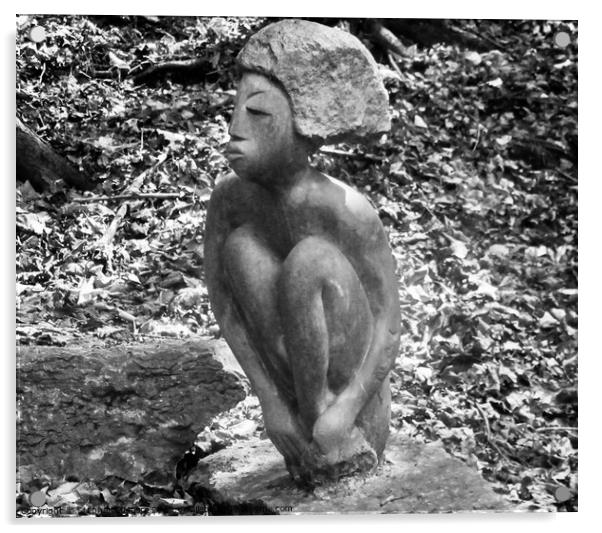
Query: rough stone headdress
{"type": "Point", "coordinates": [333, 82]}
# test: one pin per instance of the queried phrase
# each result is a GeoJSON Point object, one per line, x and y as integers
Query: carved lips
{"type": "Point", "coordinates": [232, 153]}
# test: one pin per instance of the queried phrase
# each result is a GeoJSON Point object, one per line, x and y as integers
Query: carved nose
{"type": "Point", "coordinates": [236, 130]}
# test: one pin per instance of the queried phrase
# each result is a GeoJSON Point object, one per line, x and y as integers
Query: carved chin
{"type": "Point", "coordinates": [237, 164]}
{"type": "Point", "coordinates": [248, 172]}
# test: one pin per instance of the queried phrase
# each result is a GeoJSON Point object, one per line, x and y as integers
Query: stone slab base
{"type": "Point", "coordinates": [414, 478]}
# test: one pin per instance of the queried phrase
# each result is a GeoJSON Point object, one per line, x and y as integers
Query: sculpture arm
{"type": "Point", "coordinates": [382, 353]}
{"type": "Point", "coordinates": [376, 268]}
{"type": "Point", "coordinates": [280, 424]}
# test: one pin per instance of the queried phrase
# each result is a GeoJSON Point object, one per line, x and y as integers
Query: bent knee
{"type": "Point", "coordinates": [246, 257]}
{"type": "Point", "coordinates": [238, 239]}
{"type": "Point", "coordinates": [314, 263]}
{"type": "Point", "coordinates": [315, 258]}
{"type": "Point", "coordinates": [241, 246]}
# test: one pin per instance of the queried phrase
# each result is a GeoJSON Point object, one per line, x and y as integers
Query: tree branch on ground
{"type": "Point", "coordinates": [39, 164]}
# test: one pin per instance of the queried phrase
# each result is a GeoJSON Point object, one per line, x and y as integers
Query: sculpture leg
{"type": "Point", "coordinates": [327, 323]}
{"type": "Point", "coordinates": [252, 271]}
{"type": "Point", "coordinates": [315, 301]}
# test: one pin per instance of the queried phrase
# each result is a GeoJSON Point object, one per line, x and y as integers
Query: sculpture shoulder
{"type": "Point", "coordinates": [232, 196]}
{"type": "Point", "coordinates": [352, 208]}
{"type": "Point", "coordinates": [225, 185]}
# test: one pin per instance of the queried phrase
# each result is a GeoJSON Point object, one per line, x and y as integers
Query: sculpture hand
{"type": "Point", "coordinates": [284, 431]}
{"type": "Point", "coordinates": [333, 429]}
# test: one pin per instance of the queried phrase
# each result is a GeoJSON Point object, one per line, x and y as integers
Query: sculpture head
{"type": "Point", "coordinates": [264, 145]}
{"type": "Point", "coordinates": [303, 84]}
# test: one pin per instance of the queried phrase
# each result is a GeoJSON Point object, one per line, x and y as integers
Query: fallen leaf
{"type": "Point", "coordinates": [133, 278]}
{"type": "Point", "coordinates": [423, 373]}
{"type": "Point", "coordinates": [547, 321]}
{"type": "Point", "coordinates": [69, 486]}
{"type": "Point", "coordinates": [459, 249]}
{"type": "Point", "coordinates": [34, 222]}
{"type": "Point", "coordinates": [503, 140]}
{"type": "Point", "coordinates": [175, 503]}
{"type": "Point", "coordinates": [108, 497]}
{"type": "Point", "coordinates": [473, 57]}
{"type": "Point", "coordinates": [497, 82]}
{"type": "Point", "coordinates": [498, 250]}
{"type": "Point", "coordinates": [419, 122]}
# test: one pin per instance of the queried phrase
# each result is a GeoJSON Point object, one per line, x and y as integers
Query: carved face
{"type": "Point", "coordinates": [264, 146]}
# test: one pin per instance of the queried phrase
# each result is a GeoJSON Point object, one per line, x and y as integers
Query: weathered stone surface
{"type": "Point", "coordinates": [414, 478]}
{"type": "Point", "coordinates": [129, 411]}
{"type": "Point", "coordinates": [332, 80]}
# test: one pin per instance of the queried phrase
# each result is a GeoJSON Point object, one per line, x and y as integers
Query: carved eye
{"type": "Point", "coordinates": [257, 112]}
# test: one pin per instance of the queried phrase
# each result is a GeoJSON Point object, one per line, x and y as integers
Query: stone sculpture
{"type": "Point", "coordinates": [300, 274]}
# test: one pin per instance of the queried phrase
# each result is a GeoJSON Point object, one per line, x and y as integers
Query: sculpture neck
{"type": "Point", "coordinates": [288, 180]}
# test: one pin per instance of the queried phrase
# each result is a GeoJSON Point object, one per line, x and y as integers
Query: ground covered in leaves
{"type": "Point", "coordinates": [476, 185]}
